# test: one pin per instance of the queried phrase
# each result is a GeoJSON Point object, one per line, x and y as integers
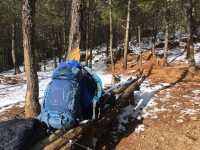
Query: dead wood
{"type": "Point", "coordinates": [121, 87]}
{"type": "Point", "coordinates": [127, 95]}
{"type": "Point", "coordinates": [57, 134]}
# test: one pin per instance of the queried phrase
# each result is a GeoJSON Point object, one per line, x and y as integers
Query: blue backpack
{"type": "Point", "coordinates": [61, 104]}
{"type": "Point", "coordinates": [71, 96]}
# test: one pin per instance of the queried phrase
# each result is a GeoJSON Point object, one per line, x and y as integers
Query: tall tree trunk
{"type": "Point", "coordinates": [166, 23]}
{"type": "Point", "coordinates": [111, 38]}
{"type": "Point", "coordinates": [54, 45]}
{"type": "Point", "coordinates": [87, 46]}
{"type": "Point", "coordinates": [74, 33]}
{"type": "Point", "coordinates": [44, 58]}
{"type": "Point", "coordinates": [32, 106]}
{"type": "Point", "coordinates": [14, 57]}
{"type": "Point", "coordinates": [188, 7]}
{"type": "Point", "coordinates": [139, 41]}
{"type": "Point", "coordinates": [60, 48]}
{"type": "Point", "coordinates": [165, 63]}
{"type": "Point", "coordinates": [155, 31]}
{"type": "Point", "coordinates": [107, 42]}
{"type": "Point", "coordinates": [126, 35]}
{"type": "Point", "coordinates": [56, 52]}
{"type": "Point", "coordinates": [65, 26]}
{"type": "Point", "coordinates": [54, 57]}
{"type": "Point", "coordinates": [92, 34]}
{"type": "Point", "coordinates": [87, 32]}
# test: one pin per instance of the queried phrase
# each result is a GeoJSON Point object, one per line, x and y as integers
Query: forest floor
{"type": "Point", "coordinates": [171, 118]}
{"type": "Point", "coordinates": [162, 118]}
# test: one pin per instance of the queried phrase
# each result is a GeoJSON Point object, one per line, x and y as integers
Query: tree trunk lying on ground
{"type": "Point", "coordinates": [61, 139]}
{"type": "Point", "coordinates": [120, 87]}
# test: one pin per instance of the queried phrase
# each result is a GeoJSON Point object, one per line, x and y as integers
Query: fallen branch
{"type": "Point", "coordinates": [127, 94]}
{"type": "Point", "coordinates": [118, 88]}
{"type": "Point", "coordinates": [40, 145]}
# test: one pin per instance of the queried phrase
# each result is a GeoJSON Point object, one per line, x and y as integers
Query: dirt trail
{"type": "Point", "coordinates": [172, 121]}
{"type": "Point", "coordinates": [175, 127]}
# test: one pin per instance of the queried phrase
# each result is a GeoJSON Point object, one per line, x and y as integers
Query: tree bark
{"type": "Point", "coordinates": [56, 48]}
{"type": "Point", "coordinates": [60, 48]}
{"type": "Point", "coordinates": [32, 106]}
{"type": "Point", "coordinates": [87, 32]}
{"type": "Point", "coordinates": [65, 26]}
{"type": "Point", "coordinates": [165, 63]}
{"type": "Point", "coordinates": [140, 55]}
{"type": "Point", "coordinates": [111, 37]}
{"type": "Point", "coordinates": [166, 24]}
{"type": "Point", "coordinates": [74, 33]}
{"type": "Point", "coordinates": [14, 57]}
{"type": "Point", "coordinates": [44, 59]}
{"type": "Point", "coordinates": [92, 28]}
{"type": "Point", "coordinates": [126, 35]}
{"type": "Point", "coordinates": [154, 43]}
{"type": "Point", "coordinates": [188, 7]}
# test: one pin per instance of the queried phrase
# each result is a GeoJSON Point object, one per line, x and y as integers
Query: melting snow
{"type": "Point", "coordinates": [139, 128]}
{"type": "Point", "coordinates": [11, 95]}
{"type": "Point", "coordinates": [15, 94]}
{"type": "Point", "coordinates": [189, 111]}
{"type": "Point", "coordinates": [144, 100]}
{"type": "Point", "coordinates": [196, 91]}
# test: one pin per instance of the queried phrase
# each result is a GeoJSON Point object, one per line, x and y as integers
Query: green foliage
{"type": "Point", "coordinates": [10, 10]}
{"type": "Point", "coordinates": [150, 15]}
{"type": "Point", "coordinates": [118, 11]}
{"type": "Point", "coordinates": [49, 12]}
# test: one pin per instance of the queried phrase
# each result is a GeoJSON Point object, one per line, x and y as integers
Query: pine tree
{"type": "Point", "coordinates": [111, 37]}
{"type": "Point", "coordinates": [32, 107]}
{"type": "Point", "coordinates": [74, 33]}
{"type": "Point", "coordinates": [188, 8]}
{"type": "Point", "coordinates": [126, 35]}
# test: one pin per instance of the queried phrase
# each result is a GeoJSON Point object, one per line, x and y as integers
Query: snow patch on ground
{"type": "Point", "coordinates": [15, 94]}
{"type": "Point", "coordinates": [144, 100]}
{"type": "Point", "coordinates": [139, 128]}
{"type": "Point", "coordinates": [179, 55]}
{"type": "Point", "coordinates": [196, 91]}
{"type": "Point", "coordinates": [188, 111]}
{"type": "Point", "coordinates": [176, 55]}
{"type": "Point", "coordinates": [197, 58]}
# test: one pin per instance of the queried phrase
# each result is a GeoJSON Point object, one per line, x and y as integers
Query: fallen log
{"type": "Point", "coordinates": [127, 95]}
{"type": "Point", "coordinates": [90, 129]}
{"type": "Point", "coordinates": [51, 138]}
{"type": "Point", "coordinates": [120, 87]}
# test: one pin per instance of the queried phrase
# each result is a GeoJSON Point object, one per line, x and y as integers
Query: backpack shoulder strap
{"type": "Point", "coordinates": [99, 91]}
